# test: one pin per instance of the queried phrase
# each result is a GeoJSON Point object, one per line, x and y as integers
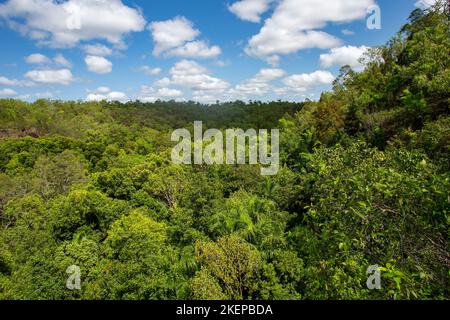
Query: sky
{"type": "Point", "coordinates": [200, 50]}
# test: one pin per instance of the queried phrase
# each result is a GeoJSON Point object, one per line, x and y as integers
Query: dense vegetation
{"type": "Point", "coordinates": [365, 180]}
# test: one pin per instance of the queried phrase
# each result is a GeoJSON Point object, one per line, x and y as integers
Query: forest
{"type": "Point", "coordinates": [364, 180]}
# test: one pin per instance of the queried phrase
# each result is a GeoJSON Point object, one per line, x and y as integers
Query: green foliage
{"type": "Point", "coordinates": [88, 212]}
{"type": "Point", "coordinates": [371, 206]}
{"type": "Point", "coordinates": [233, 262]}
{"type": "Point", "coordinates": [254, 219]}
{"type": "Point", "coordinates": [364, 180]}
{"type": "Point", "coordinates": [205, 287]}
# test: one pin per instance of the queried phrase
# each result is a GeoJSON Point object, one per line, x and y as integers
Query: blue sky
{"type": "Point", "coordinates": [203, 50]}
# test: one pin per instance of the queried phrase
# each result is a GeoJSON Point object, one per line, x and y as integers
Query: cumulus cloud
{"type": "Point", "coordinates": [98, 64]}
{"type": "Point", "coordinates": [208, 89]}
{"type": "Point", "coordinates": [150, 71]}
{"type": "Point", "coordinates": [7, 92]}
{"type": "Point", "coordinates": [105, 93]}
{"type": "Point", "coordinates": [14, 82]}
{"type": "Point", "coordinates": [341, 56]}
{"type": "Point", "coordinates": [40, 59]}
{"type": "Point", "coordinates": [102, 90]}
{"type": "Point", "coordinates": [37, 58]}
{"type": "Point", "coordinates": [149, 94]}
{"type": "Point", "coordinates": [61, 76]}
{"type": "Point", "coordinates": [190, 74]}
{"type": "Point", "coordinates": [257, 86]}
{"type": "Point", "coordinates": [250, 10]}
{"type": "Point", "coordinates": [309, 80]}
{"type": "Point", "coordinates": [271, 43]}
{"type": "Point", "coordinates": [62, 61]}
{"type": "Point", "coordinates": [295, 25]}
{"type": "Point", "coordinates": [66, 23]}
{"type": "Point", "coordinates": [273, 60]}
{"type": "Point", "coordinates": [347, 32]}
{"type": "Point", "coordinates": [9, 82]}
{"type": "Point", "coordinates": [172, 33]}
{"type": "Point", "coordinates": [164, 82]}
{"type": "Point", "coordinates": [425, 4]}
{"type": "Point", "coordinates": [187, 67]}
{"type": "Point", "coordinates": [266, 75]}
{"type": "Point", "coordinates": [195, 49]}
{"type": "Point", "coordinates": [97, 50]}
{"type": "Point", "coordinates": [176, 37]}
{"type": "Point", "coordinates": [44, 95]}
{"type": "Point", "coordinates": [37, 95]}
{"type": "Point", "coordinates": [209, 97]}
{"type": "Point", "coordinates": [298, 85]}
{"type": "Point", "coordinates": [167, 92]}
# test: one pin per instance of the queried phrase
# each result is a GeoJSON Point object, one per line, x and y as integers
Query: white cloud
{"type": "Point", "coordinates": [273, 60]}
{"type": "Point", "coordinates": [201, 97]}
{"type": "Point", "coordinates": [7, 92]}
{"type": "Point", "coordinates": [347, 32]}
{"type": "Point", "coordinates": [149, 94]}
{"type": "Point", "coordinates": [40, 59]}
{"type": "Point", "coordinates": [176, 37]}
{"type": "Point", "coordinates": [9, 82]}
{"type": "Point", "coordinates": [294, 25]}
{"type": "Point", "coordinates": [111, 96]}
{"type": "Point", "coordinates": [37, 95]}
{"type": "Point", "coordinates": [250, 10]}
{"type": "Point", "coordinates": [342, 56]}
{"type": "Point", "coordinates": [61, 76]}
{"type": "Point", "coordinates": [164, 82]}
{"type": "Point", "coordinates": [271, 43]}
{"type": "Point", "coordinates": [266, 75]}
{"type": "Point", "coordinates": [257, 86]}
{"type": "Point", "coordinates": [150, 71]}
{"type": "Point", "coordinates": [425, 4]}
{"type": "Point", "coordinates": [37, 58]}
{"type": "Point", "coordinates": [205, 88]}
{"type": "Point", "coordinates": [309, 80]}
{"type": "Point", "coordinates": [208, 89]}
{"type": "Point", "coordinates": [291, 92]}
{"type": "Point", "coordinates": [62, 61]}
{"type": "Point", "coordinates": [14, 82]}
{"type": "Point", "coordinates": [117, 96]}
{"type": "Point", "coordinates": [98, 64]}
{"type": "Point", "coordinates": [97, 50]}
{"type": "Point", "coordinates": [66, 23]}
{"type": "Point", "coordinates": [173, 33]}
{"type": "Point", "coordinates": [190, 74]}
{"type": "Point", "coordinates": [104, 93]}
{"type": "Point", "coordinates": [169, 93]}
{"type": "Point", "coordinates": [148, 99]}
{"type": "Point", "coordinates": [300, 85]}
{"type": "Point", "coordinates": [103, 90]}
{"type": "Point", "coordinates": [187, 67]}
{"type": "Point", "coordinates": [201, 82]}
{"type": "Point", "coordinates": [222, 63]}
{"type": "Point", "coordinates": [146, 94]}
{"type": "Point", "coordinates": [44, 95]}
{"type": "Point", "coordinates": [195, 49]}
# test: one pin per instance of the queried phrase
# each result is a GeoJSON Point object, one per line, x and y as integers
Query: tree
{"type": "Point", "coordinates": [233, 262]}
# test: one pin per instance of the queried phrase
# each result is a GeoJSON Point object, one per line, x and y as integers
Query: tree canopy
{"type": "Point", "coordinates": [364, 180]}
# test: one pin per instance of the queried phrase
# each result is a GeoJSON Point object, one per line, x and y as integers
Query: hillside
{"type": "Point", "coordinates": [364, 180]}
